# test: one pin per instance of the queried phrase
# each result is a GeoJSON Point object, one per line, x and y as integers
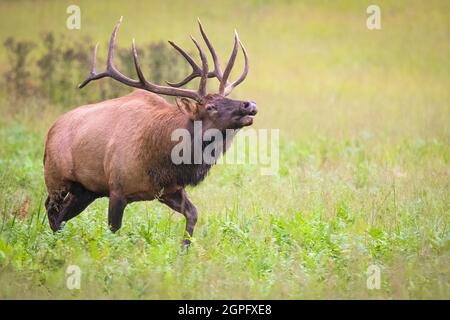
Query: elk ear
{"type": "Point", "coordinates": [188, 107]}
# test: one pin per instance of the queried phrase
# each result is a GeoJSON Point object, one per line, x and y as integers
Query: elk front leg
{"type": "Point", "coordinates": [179, 202]}
{"type": "Point", "coordinates": [117, 204]}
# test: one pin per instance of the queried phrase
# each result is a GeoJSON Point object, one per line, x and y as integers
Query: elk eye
{"type": "Point", "coordinates": [211, 107]}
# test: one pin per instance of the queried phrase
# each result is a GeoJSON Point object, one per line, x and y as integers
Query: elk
{"type": "Point", "coordinates": [120, 148]}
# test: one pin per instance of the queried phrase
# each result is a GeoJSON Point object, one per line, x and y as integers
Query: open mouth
{"type": "Point", "coordinates": [247, 120]}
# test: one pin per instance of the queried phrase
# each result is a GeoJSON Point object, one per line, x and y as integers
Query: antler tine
{"type": "Point", "coordinates": [229, 67]}
{"type": "Point", "coordinates": [225, 87]}
{"type": "Point", "coordinates": [94, 59]}
{"type": "Point", "coordinates": [110, 71]}
{"type": "Point", "coordinates": [137, 64]}
{"type": "Point", "coordinates": [156, 88]}
{"type": "Point", "coordinates": [93, 74]}
{"type": "Point", "coordinates": [217, 70]}
{"type": "Point", "coordinates": [112, 44]}
{"type": "Point", "coordinates": [204, 71]}
{"type": "Point", "coordinates": [196, 70]}
{"type": "Point", "coordinates": [230, 87]}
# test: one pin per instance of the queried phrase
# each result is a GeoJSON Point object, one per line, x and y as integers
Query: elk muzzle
{"type": "Point", "coordinates": [248, 112]}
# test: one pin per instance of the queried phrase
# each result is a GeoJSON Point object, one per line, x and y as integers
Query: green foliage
{"type": "Point", "coordinates": [17, 78]}
{"type": "Point", "coordinates": [51, 81]}
{"type": "Point", "coordinates": [317, 241]}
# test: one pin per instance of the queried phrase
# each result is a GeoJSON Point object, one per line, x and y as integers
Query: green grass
{"type": "Point", "coordinates": [364, 162]}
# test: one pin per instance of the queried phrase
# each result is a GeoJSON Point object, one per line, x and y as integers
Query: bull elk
{"type": "Point", "coordinates": [121, 148]}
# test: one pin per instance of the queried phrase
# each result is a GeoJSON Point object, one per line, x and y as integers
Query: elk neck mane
{"type": "Point", "coordinates": [157, 147]}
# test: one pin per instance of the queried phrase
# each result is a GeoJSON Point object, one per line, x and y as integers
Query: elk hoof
{"type": "Point", "coordinates": [185, 245]}
{"type": "Point", "coordinates": [54, 225]}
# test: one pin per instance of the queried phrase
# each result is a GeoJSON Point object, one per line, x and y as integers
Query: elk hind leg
{"type": "Point", "coordinates": [53, 205]}
{"type": "Point", "coordinates": [76, 201]}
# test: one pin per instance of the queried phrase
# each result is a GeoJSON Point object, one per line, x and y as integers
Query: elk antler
{"type": "Point", "coordinates": [225, 88]}
{"type": "Point", "coordinates": [112, 72]}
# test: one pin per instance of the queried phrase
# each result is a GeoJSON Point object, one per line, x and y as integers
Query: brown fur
{"type": "Point", "coordinates": [100, 144]}
{"type": "Point", "coordinates": [121, 148]}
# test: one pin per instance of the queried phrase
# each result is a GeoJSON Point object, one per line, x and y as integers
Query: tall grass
{"type": "Point", "coordinates": [364, 159]}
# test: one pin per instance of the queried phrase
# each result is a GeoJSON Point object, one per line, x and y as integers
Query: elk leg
{"type": "Point", "coordinates": [179, 202]}
{"type": "Point", "coordinates": [54, 204]}
{"type": "Point", "coordinates": [116, 207]}
{"type": "Point", "coordinates": [74, 205]}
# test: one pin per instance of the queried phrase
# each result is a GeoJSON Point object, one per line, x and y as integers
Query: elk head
{"type": "Point", "coordinates": [215, 110]}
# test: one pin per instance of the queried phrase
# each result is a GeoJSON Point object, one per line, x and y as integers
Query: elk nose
{"type": "Point", "coordinates": [250, 107]}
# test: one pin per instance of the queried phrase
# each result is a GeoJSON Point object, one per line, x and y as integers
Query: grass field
{"type": "Point", "coordinates": [364, 161]}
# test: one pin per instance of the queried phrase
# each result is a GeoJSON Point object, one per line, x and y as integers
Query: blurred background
{"type": "Point", "coordinates": [364, 151]}
{"type": "Point", "coordinates": [316, 69]}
